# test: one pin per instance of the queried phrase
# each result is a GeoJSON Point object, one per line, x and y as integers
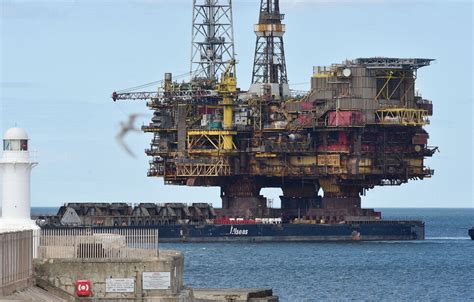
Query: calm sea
{"type": "Point", "coordinates": [440, 268]}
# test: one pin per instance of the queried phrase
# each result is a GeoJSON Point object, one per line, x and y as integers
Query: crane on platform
{"type": "Point", "coordinates": [212, 48]}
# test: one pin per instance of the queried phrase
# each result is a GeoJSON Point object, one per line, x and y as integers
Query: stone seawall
{"type": "Point", "coordinates": [157, 279]}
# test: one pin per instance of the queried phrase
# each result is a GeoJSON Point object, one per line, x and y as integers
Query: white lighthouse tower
{"type": "Point", "coordinates": [15, 168]}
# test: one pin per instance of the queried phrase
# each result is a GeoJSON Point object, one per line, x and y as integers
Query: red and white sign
{"type": "Point", "coordinates": [83, 288]}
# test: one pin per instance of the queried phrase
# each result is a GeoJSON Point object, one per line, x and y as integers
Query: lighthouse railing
{"type": "Point", "coordinates": [16, 261]}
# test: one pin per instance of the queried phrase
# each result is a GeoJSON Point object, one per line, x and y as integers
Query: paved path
{"type": "Point", "coordinates": [33, 293]}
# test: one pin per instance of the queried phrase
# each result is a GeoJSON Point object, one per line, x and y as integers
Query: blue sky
{"type": "Point", "coordinates": [60, 61]}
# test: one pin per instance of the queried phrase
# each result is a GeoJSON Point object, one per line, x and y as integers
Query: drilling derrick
{"type": "Point", "coordinates": [212, 38]}
{"type": "Point", "coordinates": [269, 67]}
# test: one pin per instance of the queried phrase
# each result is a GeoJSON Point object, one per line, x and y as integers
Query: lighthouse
{"type": "Point", "coordinates": [16, 164]}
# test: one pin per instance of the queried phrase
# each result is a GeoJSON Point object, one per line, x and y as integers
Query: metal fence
{"type": "Point", "coordinates": [113, 242]}
{"type": "Point", "coordinates": [16, 257]}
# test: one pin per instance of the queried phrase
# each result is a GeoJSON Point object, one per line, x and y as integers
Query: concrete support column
{"type": "Point", "coordinates": [298, 199]}
{"type": "Point", "coordinates": [241, 198]}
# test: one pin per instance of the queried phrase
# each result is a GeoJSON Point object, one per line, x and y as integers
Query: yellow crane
{"type": "Point", "coordinates": [227, 87]}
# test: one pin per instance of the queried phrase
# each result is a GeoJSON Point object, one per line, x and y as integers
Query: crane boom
{"type": "Point", "coordinates": [162, 94]}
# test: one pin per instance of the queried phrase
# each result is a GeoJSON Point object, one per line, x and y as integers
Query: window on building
{"type": "Point", "coordinates": [15, 145]}
{"type": "Point", "coordinates": [24, 145]}
{"type": "Point", "coordinates": [6, 145]}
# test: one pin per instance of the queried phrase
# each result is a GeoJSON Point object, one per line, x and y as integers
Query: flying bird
{"type": "Point", "coordinates": [126, 127]}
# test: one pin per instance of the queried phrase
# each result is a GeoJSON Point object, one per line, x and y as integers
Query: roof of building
{"type": "Point", "coordinates": [15, 133]}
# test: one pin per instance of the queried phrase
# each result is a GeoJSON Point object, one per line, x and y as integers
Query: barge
{"type": "Point", "coordinates": [199, 222]}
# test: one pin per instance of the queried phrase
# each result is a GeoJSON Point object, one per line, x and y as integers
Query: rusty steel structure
{"type": "Point", "coordinates": [269, 67]}
{"type": "Point", "coordinates": [361, 125]}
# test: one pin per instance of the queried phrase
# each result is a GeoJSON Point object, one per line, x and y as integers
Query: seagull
{"type": "Point", "coordinates": [126, 127]}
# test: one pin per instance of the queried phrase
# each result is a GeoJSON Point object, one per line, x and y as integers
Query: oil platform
{"type": "Point", "coordinates": [360, 125]}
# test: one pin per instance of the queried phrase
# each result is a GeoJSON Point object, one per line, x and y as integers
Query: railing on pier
{"type": "Point", "coordinates": [16, 257]}
{"type": "Point", "coordinates": [108, 242]}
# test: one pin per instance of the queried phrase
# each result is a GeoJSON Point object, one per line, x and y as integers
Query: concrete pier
{"type": "Point", "coordinates": [117, 279]}
{"type": "Point", "coordinates": [234, 295]}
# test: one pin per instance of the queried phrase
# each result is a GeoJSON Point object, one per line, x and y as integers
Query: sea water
{"type": "Point", "coordinates": [440, 268]}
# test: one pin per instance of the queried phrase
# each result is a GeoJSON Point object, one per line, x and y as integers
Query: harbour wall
{"type": "Point", "coordinates": [118, 279]}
